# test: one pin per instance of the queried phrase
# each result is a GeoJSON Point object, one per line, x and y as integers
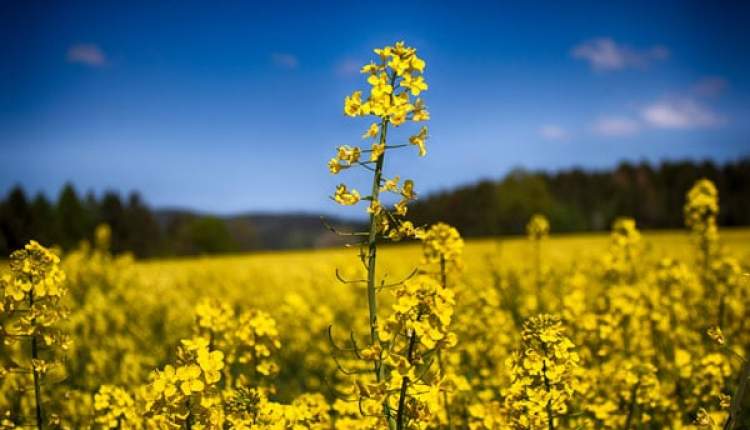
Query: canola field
{"type": "Point", "coordinates": [642, 347]}
{"type": "Point", "coordinates": [618, 331]}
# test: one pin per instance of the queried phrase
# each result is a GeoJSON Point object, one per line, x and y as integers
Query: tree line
{"type": "Point", "coordinates": [573, 200]}
{"type": "Point", "coordinates": [135, 227]}
{"type": "Point", "coordinates": [582, 200]}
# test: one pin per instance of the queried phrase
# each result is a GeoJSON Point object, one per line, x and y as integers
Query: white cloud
{"type": "Point", "coordinates": [88, 54]}
{"type": "Point", "coordinates": [285, 60]}
{"type": "Point", "coordinates": [616, 126]}
{"type": "Point", "coordinates": [679, 114]}
{"type": "Point", "coordinates": [710, 86]}
{"type": "Point", "coordinates": [604, 54]}
{"type": "Point", "coordinates": [348, 67]}
{"type": "Point", "coordinates": [552, 132]}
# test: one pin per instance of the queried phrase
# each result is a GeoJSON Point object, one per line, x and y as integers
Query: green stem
{"type": "Point", "coordinates": [189, 419]}
{"type": "Point", "coordinates": [402, 403]}
{"type": "Point", "coordinates": [550, 420]}
{"type": "Point", "coordinates": [631, 406]}
{"type": "Point", "coordinates": [34, 357]}
{"type": "Point", "coordinates": [372, 249]}
{"type": "Point", "coordinates": [405, 382]}
{"type": "Point", "coordinates": [444, 284]}
{"type": "Point", "coordinates": [733, 420]}
{"type": "Point", "coordinates": [538, 272]}
{"type": "Point", "coordinates": [443, 274]}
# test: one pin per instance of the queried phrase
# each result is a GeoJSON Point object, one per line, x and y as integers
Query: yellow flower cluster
{"type": "Point", "coordinates": [249, 338]}
{"type": "Point", "coordinates": [702, 205]}
{"type": "Point", "coordinates": [544, 374]}
{"type": "Point", "coordinates": [424, 308]}
{"type": "Point", "coordinates": [114, 408]}
{"type": "Point", "coordinates": [621, 260]}
{"type": "Point", "coordinates": [34, 275]}
{"type": "Point", "coordinates": [186, 393]}
{"type": "Point", "coordinates": [701, 209]}
{"type": "Point", "coordinates": [257, 340]}
{"type": "Point", "coordinates": [250, 409]}
{"type": "Point", "coordinates": [31, 310]}
{"type": "Point", "coordinates": [398, 68]}
{"type": "Point", "coordinates": [624, 233]}
{"type": "Point", "coordinates": [396, 80]}
{"type": "Point", "coordinates": [537, 227]}
{"type": "Point", "coordinates": [442, 242]}
{"type": "Point", "coordinates": [33, 291]}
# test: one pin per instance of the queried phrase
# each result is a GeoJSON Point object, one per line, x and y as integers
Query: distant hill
{"type": "Point", "coordinates": [273, 231]}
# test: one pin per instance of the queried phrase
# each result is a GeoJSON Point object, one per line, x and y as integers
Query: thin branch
{"type": "Point", "coordinates": [396, 284]}
{"type": "Point", "coordinates": [333, 343]}
{"type": "Point", "coordinates": [341, 233]}
{"type": "Point", "coordinates": [355, 348]}
{"type": "Point", "coordinates": [347, 281]}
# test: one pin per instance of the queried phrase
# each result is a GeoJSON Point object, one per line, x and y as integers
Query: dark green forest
{"type": "Point", "coordinates": [577, 200]}
{"type": "Point", "coordinates": [574, 200]}
{"type": "Point", "coordinates": [145, 232]}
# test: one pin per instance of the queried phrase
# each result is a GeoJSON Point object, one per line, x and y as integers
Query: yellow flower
{"type": "Point", "coordinates": [377, 150]}
{"type": "Point", "coordinates": [195, 344]}
{"type": "Point", "coordinates": [417, 63]}
{"type": "Point", "coordinates": [400, 207]}
{"type": "Point", "coordinates": [187, 373]}
{"type": "Point", "coordinates": [380, 86]}
{"type": "Point", "coordinates": [407, 191]}
{"type": "Point", "coordinates": [415, 85]}
{"type": "Point", "coordinates": [349, 154]}
{"type": "Point", "coordinates": [211, 363]}
{"type": "Point", "coordinates": [369, 68]}
{"type": "Point", "coordinates": [716, 334]}
{"type": "Point", "coordinates": [191, 386]}
{"type": "Point", "coordinates": [391, 185]}
{"type": "Point", "coordinates": [334, 166]}
{"type": "Point", "coordinates": [371, 353]}
{"type": "Point", "coordinates": [353, 104]}
{"type": "Point", "coordinates": [384, 53]}
{"type": "Point", "coordinates": [725, 401]}
{"type": "Point", "coordinates": [372, 131]}
{"type": "Point", "coordinates": [419, 140]}
{"type": "Point", "coordinates": [345, 197]}
{"type": "Point", "coordinates": [399, 65]}
{"type": "Point", "coordinates": [420, 111]}
{"type": "Point", "coordinates": [375, 207]}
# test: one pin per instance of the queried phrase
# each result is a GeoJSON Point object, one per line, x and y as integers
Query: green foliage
{"type": "Point", "coordinates": [579, 200]}
{"type": "Point", "coordinates": [206, 235]}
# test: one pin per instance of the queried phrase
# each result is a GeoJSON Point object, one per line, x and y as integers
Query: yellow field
{"type": "Point", "coordinates": [643, 335]}
{"type": "Point", "coordinates": [563, 249]}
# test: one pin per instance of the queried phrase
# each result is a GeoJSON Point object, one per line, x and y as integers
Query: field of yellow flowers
{"type": "Point", "coordinates": [618, 331]}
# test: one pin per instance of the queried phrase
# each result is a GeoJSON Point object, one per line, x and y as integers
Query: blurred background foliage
{"type": "Point", "coordinates": [574, 200]}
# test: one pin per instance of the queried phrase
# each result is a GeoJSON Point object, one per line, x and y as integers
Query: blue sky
{"type": "Point", "coordinates": [235, 106]}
